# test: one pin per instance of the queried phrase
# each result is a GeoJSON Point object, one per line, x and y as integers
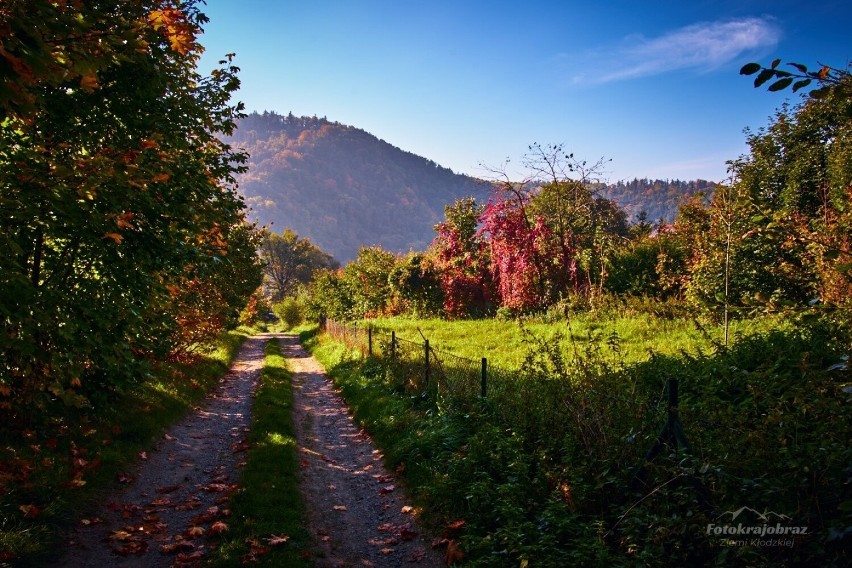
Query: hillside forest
{"type": "Point", "coordinates": [775, 236]}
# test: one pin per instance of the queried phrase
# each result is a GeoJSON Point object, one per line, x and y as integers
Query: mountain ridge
{"type": "Point", "coordinates": [344, 188]}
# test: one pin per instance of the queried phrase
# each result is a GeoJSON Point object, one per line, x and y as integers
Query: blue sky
{"type": "Point", "coordinates": [651, 86]}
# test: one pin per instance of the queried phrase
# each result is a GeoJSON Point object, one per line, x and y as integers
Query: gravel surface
{"type": "Point", "coordinates": [163, 513]}
{"type": "Point", "coordinates": [357, 511]}
{"type": "Point", "coordinates": [166, 508]}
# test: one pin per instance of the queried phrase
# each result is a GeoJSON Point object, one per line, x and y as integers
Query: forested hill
{"type": "Point", "coordinates": [343, 187]}
{"type": "Point", "coordinates": [659, 199]}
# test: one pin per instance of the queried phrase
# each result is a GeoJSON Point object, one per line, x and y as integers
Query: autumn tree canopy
{"type": "Point", "coordinates": [118, 210]}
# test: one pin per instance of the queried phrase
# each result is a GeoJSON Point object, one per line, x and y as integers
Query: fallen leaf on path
{"type": "Point", "coordinates": [120, 535]}
{"type": "Point", "coordinates": [143, 455]}
{"type": "Point", "coordinates": [173, 547]}
{"type": "Point", "coordinates": [406, 532]}
{"type": "Point", "coordinates": [218, 528]}
{"type": "Point", "coordinates": [194, 532]}
{"type": "Point", "coordinates": [167, 489]}
{"type": "Point", "coordinates": [91, 521]}
{"type": "Point", "coordinates": [278, 540]}
{"type": "Point", "coordinates": [387, 489]}
{"type": "Point", "coordinates": [454, 553]}
{"type": "Point", "coordinates": [132, 547]}
{"type": "Point", "coordinates": [417, 555]}
{"type": "Point", "coordinates": [340, 508]}
{"type": "Point", "coordinates": [407, 509]}
{"type": "Point", "coordinates": [124, 477]}
{"type": "Point", "coordinates": [188, 557]}
{"type": "Point", "coordinates": [387, 551]}
{"type": "Point", "coordinates": [161, 502]}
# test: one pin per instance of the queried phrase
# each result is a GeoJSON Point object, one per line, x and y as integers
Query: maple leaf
{"type": "Point", "coordinates": [218, 528]}
{"type": "Point", "coordinates": [123, 220]}
{"type": "Point", "coordinates": [194, 532]}
{"type": "Point", "coordinates": [89, 82]}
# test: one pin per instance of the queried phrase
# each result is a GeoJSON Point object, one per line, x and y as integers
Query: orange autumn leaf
{"type": "Point", "coordinates": [123, 220]}
{"type": "Point", "coordinates": [218, 528]}
{"type": "Point", "coordinates": [454, 553]}
{"type": "Point", "coordinates": [173, 25]}
{"type": "Point", "coordinates": [89, 82]}
{"type": "Point", "coordinates": [29, 511]}
{"type": "Point", "coordinates": [161, 177]}
{"type": "Point", "coordinates": [114, 237]}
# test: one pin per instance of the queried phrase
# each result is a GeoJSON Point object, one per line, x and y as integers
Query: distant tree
{"type": "Point", "coordinates": [368, 277]}
{"type": "Point", "coordinates": [290, 261]}
{"type": "Point", "coordinates": [417, 283]}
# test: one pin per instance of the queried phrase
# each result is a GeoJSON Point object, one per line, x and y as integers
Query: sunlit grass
{"type": "Point", "coordinates": [628, 339]}
{"type": "Point", "coordinates": [268, 503]}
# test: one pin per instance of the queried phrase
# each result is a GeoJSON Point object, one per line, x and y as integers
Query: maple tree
{"type": "Point", "coordinates": [117, 195]}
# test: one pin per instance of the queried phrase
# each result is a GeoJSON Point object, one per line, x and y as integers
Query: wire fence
{"type": "Point", "coordinates": [536, 403]}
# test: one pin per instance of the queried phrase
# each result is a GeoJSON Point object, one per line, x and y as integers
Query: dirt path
{"type": "Point", "coordinates": [171, 504]}
{"type": "Point", "coordinates": [182, 484]}
{"type": "Point", "coordinates": [356, 509]}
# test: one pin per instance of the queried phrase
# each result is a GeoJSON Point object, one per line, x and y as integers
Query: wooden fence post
{"type": "Point", "coordinates": [393, 345]}
{"type": "Point", "coordinates": [426, 353]}
{"type": "Point", "coordinates": [484, 378]}
{"type": "Point", "coordinates": [370, 341]}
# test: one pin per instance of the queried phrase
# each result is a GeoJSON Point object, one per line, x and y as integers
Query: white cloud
{"type": "Point", "coordinates": [703, 46]}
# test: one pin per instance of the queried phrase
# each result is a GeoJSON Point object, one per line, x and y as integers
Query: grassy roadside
{"type": "Point", "coordinates": [48, 480]}
{"type": "Point", "coordinates": [267, 526]}
{"type": "Point", "coordinates": [523, 494]}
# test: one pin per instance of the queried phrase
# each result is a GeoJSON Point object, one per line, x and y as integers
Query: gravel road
{"type": "Point", "coordinates": [162, 513]}
{"type": "Point", "coordinates": [357, 511]}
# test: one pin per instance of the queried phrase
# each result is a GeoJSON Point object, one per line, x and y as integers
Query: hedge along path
{"type": "Point", "coordinates": [171, 509]}
{"type": "Point", "coordinates": [356, 510]}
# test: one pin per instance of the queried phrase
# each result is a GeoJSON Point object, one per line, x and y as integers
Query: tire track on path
{"type": "Point", "coordinates": [184, 483]}
{"type": "Point", "coordinates": [354, 505]}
